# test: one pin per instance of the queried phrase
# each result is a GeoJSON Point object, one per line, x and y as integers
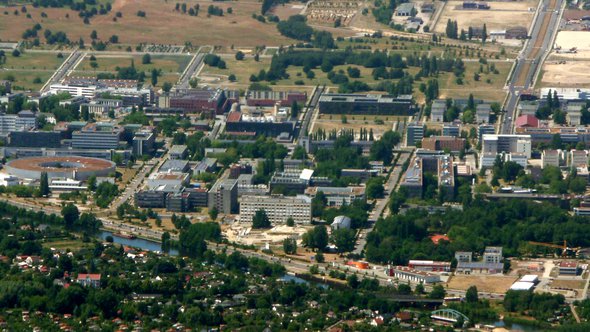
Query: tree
{"type": "Point", "coordinates": [290, 246]}
{"type": "Point", "coordinates": [93, 35]}
{"type": "Point", "coordinates": [484, 34]}
{"type": "Point", "coordinates": [374, 188]}
{"type": "Point", "coordinates": [438, 292]}
{"type": "Point", "coordinates": [290, 222]}
{"type": "Point", "coordinates": [353, 281]}
{"type": "Point", "coordinates": [294, 110]}
{"type": "Point", "coordinates": [70, 215]}
{"type": "Point", "coordinates": [44, 184]}
{"type": "Point", "coordinates": [166, 87]}
{"type": "Point", "coordinates": [155, 74]}
{"type": "Point", "coordinates": [165, 241]}
{"type": "Point", "coordinates": [91, 183]}
{"type": "Point", "coordinates": [318, 204]}
{"type": "Point", "coordinates": [213, 213]}
{"type": "Point", "coordinates": [240, 55]}
{"type": "Point", "coordinates": [260, 220]}
{"type": "Point", "coordinates": [471, 295]}
{"type": "Point", "coordinates": [146, 59]}
{"type": "Point", "coordinates": [193, 83]}
{"type": "Point", "coordinates": [316, 237]}
{"type": "Point", "coordinates": [114, 39]}
{"type": "Point", "coordinates": [344, 239]}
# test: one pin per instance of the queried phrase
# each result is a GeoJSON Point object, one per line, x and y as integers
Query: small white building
{"type": "Point", "coordinates": [341, 222]}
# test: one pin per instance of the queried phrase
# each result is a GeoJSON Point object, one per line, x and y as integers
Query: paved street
{"type": "Point", "coordinates": [531, 57]}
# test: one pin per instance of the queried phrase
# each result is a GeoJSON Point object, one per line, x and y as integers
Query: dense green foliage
{"type": "Point", "coordinates": [509, 223]}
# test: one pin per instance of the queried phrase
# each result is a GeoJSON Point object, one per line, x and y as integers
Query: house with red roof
{"type": "Point", "coordinates": [527, 121]}
{"type": "Point", "coordinates": [89, 279]}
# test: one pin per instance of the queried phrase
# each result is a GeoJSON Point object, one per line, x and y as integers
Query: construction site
{"type": "Point", "coordinates": [332, 12]}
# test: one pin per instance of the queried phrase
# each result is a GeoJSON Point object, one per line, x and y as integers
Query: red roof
{"type": "Point", "coordinates": [568, 264]}
{"type": "Point", "coordinates": [91, 276]}
{"type": "Point", "coordinates": [527, 121]}
{"type": "Point", "coordinates": [234, 117]}
{"type": "Point", "coordinates": [436, 238]}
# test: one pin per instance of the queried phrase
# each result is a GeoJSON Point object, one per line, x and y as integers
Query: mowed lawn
{"type": "Point", "coordinates": [165, 63]}
{"type": "Point", "coordinates": [26, 79]}
{"type": "Point", "coordinates": [162, 24]}
{"type": "Point", "coordinates": [28, 61]}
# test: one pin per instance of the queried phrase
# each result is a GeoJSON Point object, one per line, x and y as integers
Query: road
{"type": "Point", "coordinates": [68, 65]}
{"type": "Point", "coordinates": [309, 110]}
{"type": "Point", "coordinates": [531, 57]}
{"type": "Point", "coordinates": [191, 69]}
{"type": "Point", "coordinates": [132, 187]}
{"type": "Point", "coordinates": [381, 204]}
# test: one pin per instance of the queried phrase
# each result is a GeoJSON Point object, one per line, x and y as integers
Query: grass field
{"type": "Point", "coordinates": [166, 63]}
{"type": "Point", "coordinates": [493, 91]}
{"type": "Point", "coordinates": [25, 79]}
{"type": "Point", "coordinates": [62, 244]}
{"type": "Point", "coordinates": [28, 61]}
{"type": "Point", "coordinates": [162, 24]}
{"type": "Point", "coordinates": [484, 283]}
{"type": "Point", "coordinates": [241, 69]}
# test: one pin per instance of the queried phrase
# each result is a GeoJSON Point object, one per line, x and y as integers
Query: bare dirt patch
{"type": "Point", "coordinates": [484, 283]}
{"type": "Point", "coordinates": [570, 73]}
{"type": "Point", "coordinates": [502, 15]}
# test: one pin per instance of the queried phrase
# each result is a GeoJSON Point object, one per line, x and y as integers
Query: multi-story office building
{"type": "Point", "coordinates": [412, 179]}
{"type": "Point", "coordinates": [446, 177]}
{"type": "Point", "coordinates": [143, 142]}
{"type": "Point", "coordinates": [366, 104]}
{"type": "Point", "coordinates": [278, 208]}
{"type": "Point", "coordinates": [442, 143]}
{"type": "Point", "coordinates": [178, 152]}
{"type": "Point", "coordinates": [437, 110]}
{"type": "Point", "coordinates": [492, 255]}
{"type": "Point", "coordinates": [551, 158]}
{"type": "Point", "coordinates": [338, 196]}
{"type": "Point", "coordinates": [24, 120]}
{"type": "Point", "coordinates": [34, 139]}
{"type": "Point", "coordinates": [451, 129]}
{"type": "Point", "coordinates": [223, 196]}
{"type": "Point", "coordinates": [97, 136]}
{"type": "Point", "coordinates": [484, 130]}
{"type": "Point", "coordinates": [504, 144]}
{"type": "Point", "coordinates": [271, 98]}
{"type": "Point", "coordinates": [414, 133]}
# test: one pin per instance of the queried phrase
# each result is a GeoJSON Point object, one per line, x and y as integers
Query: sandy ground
{"type": "Point", "coordinates": [571, 73]}
{"type": "Point", "coordinates": [569, 39]}
{"type": "Point", "coordinates": [484, 283]}
{"type": "Point", "coordinates": [131, 29]}
{"type": "Point", "coordinates": [502, 15]}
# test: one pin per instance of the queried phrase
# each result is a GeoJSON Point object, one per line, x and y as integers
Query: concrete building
{"type": "Point", "coordinates": [366, 104]}
{"type": "Point", "coordinates": [97, 136]}
{"type": "Point", "coordinates": [527, 107]}
{"type": "Point", "coordinates": [551, 158]}
{"type": "Point", "coordinates": [443, 143]}
{"type": "Point", "coordinates": [159, 179]}
{"type": "Point", "coordinates": [504, 144]}
{"type": "Point", "coordinates": [414, 133]}
{"type": "Point", "coordinates": [23, 121]}
{"type": "Point", "coordinates": [278, 208]}
{"type": "Point", "coordinates": [492, 255]}
{"type": "Point", "coordinates": [293, 180]}
{"type": "Point", "coordinates": [437, 110]}
{"type": "Point", "coordinates": [451, 129]}
{"type": "Point", "coordinates": [338, 196]}
{"type": "Point", "coordinates": [446, 177]}
{"type": "Point", "coordinates": [260, 124]}
{"type": "Point", "coordinates": [271, 98]}
{"type": "Point", "coordinates": [464, 256]}
{"type": "Point", "coordinates": [143, 142]}
{"type": "Point", "coordinates": [405, 9]}
{"type": "Point", "coordinates": [178, 152]}
{"type": "Point", "coordinates": [568, 268]}
{"type": "Point", "coordinates": [341, 222]}
{"type": "Point", "coordinates": [484, 130]}
{"type": "Point", "coordinates": [89, 280]}
{"type": "Point", "coordinates": [574, 116]}
{"type": "Point", "coordinates": [208, 102]}
{"type": "Point", "coordinates": [175, 165]}
{"type": "Point", "coordinates": [517, 157]}
{"type": "Point", "coordinates": [414, 276]}
{"type": "Point", "coordinates": [429, 266]}
{"type": "Point", "coordinates": [223, 196]}
{"type": "Point", "coordinates": [491, 262]}
{"type": "Point", "coordinates": [412, 179]}
{"type": "Point", "coordinates": [34, 139]}
{"type": "Point", "coordinates": [482, 113]}
{"type": "Point", "coordinates": [578, 158]}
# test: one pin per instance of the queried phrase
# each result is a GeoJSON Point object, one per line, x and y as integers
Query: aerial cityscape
{"type": "Point", "coordinates": [312, 165]}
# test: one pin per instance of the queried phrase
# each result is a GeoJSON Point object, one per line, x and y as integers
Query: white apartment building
{"type": "Point", "coordinates": [551, 158]}
{"type": "Point", "coordinates": [278, 208]}
{"type": "Point", "coordinates": [87, 91]}
{"type": "Point", "coordinates": [504, 144]}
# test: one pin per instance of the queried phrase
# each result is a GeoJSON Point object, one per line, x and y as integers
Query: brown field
{"type": "Point", "coordinates": [285, 10]}
{"type": "Point", "coordinates": [484, 283]}
{"type": "Point", "coordinates": [242, 69]}
{"type": "Point", "coordinates": [502, 15]}
{"type": "Point", "coordinates": [178, 28]}
{"type": "Point", "coordinates": [569, 39]}
{"type": "Point", "coordinates": [329, 122]}
{"type": "Point", "coordinates": [570, 284]}
{"type": "Point", "coordinates": [573, 74]}
{"type": "Point", "coordinates": [34, 61]}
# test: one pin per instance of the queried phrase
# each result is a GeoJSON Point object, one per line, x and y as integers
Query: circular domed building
{"type": "Point", "coordinates": [78, 168]}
